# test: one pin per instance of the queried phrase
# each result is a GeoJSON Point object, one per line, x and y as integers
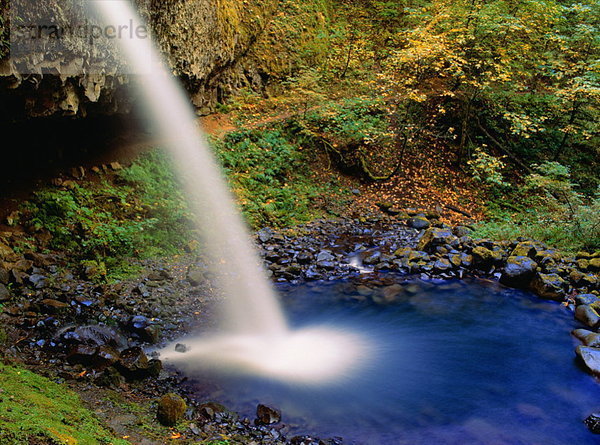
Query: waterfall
{"type": "Point", "coordinates": [254, 334]}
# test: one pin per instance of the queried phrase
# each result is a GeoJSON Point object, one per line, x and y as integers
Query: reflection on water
{"type": "Point", "coordinates": [455, 363]}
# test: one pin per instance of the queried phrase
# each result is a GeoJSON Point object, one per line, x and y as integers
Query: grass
{"type": "Point", "coordinates": [34, 409]}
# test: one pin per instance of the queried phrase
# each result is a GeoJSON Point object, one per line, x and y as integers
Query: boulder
{"type": "Point", "coordinates": [6, 253]}
{"type": "Point", "coordinates": [196, 274]}
{"type": "Point", "coordinates": [526, 248]}
{"type": "Point", "coordinates": [325, 255]}
{"type": "Point", "coordinates": [95, 335]}
{"type": "Point", "coordinates": [485, 258]}
{"type": "Point", "coordinates": [587, 315]}
{"type": "Point", "coordinates": [134, 364]}
{"type": "Point", "coordinates": [462, 231]}
{"type": "Point", "coordinates": [304, 257]}
{"type": "Point", "coordinates": [594, 264]}
{"type": "Point", "coordinates": [549, 286]}
{"type": "Point", "coordinates": [590, 357]}
{"type": "Point", "coordinates": [588, 338]}
{"type": "Point", "coordinates": [143, 328]}
{"type": "Point", "coordinates": [442, 265]}
{"type": "Point", "coordinates": [265, 235]}
{"type": "Point", "coordinates": [4, 275]}
{"type": "Point", "coordinates": [586, 299]}
{"type": "Point", "coordinates": [584, 280]}
{"type": "Point", "coordinates": [171, 409]}
{"type": "Point", "coordinates": [372, 259]}
{"type": "Point", "coordinates": [265, 415]}
{"type": "Point", "coordinates": [54, 306]}
{"type": "Point", "coordinates": [415, 256]}
{"type": "Point", "coordinates": [518, 272]}
{"type": "Point", "coordinates": [210, 410]}
{"type": "Point", "coordinates": [434, 237]}
{"type": "Point", "coordinates": [418, 222]}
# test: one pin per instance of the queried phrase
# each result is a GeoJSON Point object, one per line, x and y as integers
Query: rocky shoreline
{"type": "Point", "coordinates": [98, 335]}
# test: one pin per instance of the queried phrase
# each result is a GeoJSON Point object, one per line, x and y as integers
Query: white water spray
{"type": "Point", "coordinates": [255, 334]}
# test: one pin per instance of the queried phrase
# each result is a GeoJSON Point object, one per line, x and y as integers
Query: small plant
{"type": "Point", "coordinates": [487, 169]}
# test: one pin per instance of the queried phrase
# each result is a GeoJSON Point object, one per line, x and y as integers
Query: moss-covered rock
{"type": "Point", "coordinates": [171, 409]}
{"type": "Point", "coordinates": [549, 286]}
{"type": "Point", "coordinates": [435, 237]}
{"type": "Point", "coordinates": [518, 271]}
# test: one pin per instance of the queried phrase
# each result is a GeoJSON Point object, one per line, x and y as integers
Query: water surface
{"type": "Point", "coordinates": [453, 363]}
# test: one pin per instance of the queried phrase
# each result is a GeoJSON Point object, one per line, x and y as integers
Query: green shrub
{"type": "Point", "coordinates": [140, 214]}
{"type": "Point", "coordinates": [487, 169]}
{"type": "Point", "coordinates": [549, 208]}
{"type": "Point", "coordinates": [270, 174]}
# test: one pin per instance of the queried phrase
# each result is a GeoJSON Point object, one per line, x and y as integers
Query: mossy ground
{"type": "Point", "coordinates": [35, 410]}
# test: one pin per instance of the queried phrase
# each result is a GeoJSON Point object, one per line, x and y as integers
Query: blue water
{"type": "Point", "coordinates": [454, 363]}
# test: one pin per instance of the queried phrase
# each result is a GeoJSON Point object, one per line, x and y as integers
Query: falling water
{"type": "Point", "coordinates": [255, 335]}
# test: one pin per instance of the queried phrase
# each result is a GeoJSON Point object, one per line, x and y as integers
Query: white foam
{"type": "Point", "coordinates": [315, 355]}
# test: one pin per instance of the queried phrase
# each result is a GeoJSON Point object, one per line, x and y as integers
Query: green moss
{"type": "Point", "coordinates": [34, 408]}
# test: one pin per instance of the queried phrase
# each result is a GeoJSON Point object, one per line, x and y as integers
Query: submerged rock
{"type": "Point", "coordinates": [593, 422]}
{"type": "Point", "coordinates": [171, 409]}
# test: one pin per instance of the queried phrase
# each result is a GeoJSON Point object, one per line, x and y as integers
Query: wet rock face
{"type": "Point", "coordinates": [171, 409]}
{"type": "Point", "coordinates": [207, 43]}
